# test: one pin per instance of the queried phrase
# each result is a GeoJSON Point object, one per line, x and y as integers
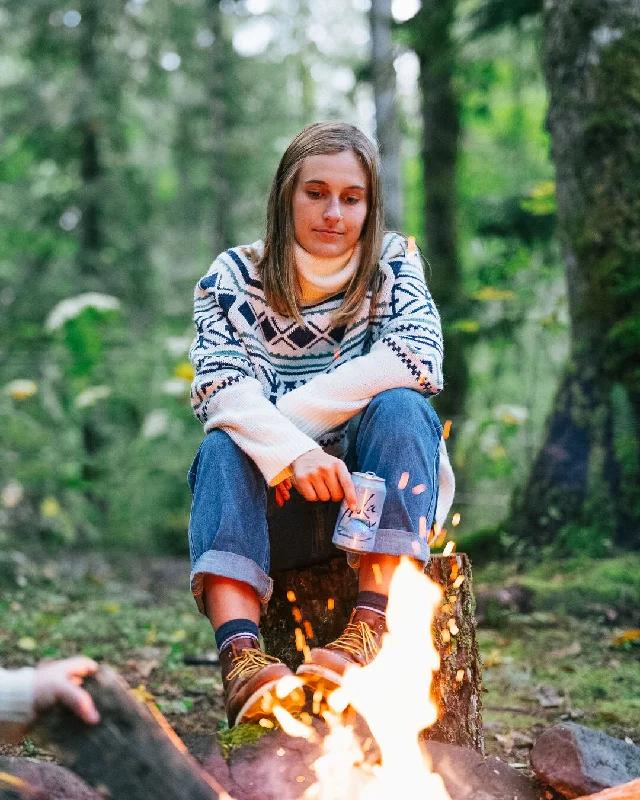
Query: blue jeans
{"type": "Point", "coordinates": [238, 531]}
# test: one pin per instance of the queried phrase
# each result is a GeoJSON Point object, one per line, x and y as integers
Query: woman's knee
{"type": "Point", "coordinates": [403, 408]}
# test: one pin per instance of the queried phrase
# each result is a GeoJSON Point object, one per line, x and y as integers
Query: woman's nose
{"type": "Point", "coordinates": [332, 209]}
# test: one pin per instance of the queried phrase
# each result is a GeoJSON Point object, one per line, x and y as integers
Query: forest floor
{"type": "Point", "coordinates": [569, 651]}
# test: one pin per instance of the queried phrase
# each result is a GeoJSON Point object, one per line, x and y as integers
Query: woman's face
{"type": "Point", "coordinates": [330, 204]}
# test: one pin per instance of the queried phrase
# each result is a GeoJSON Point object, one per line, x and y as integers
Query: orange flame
{"type": "Point", "coordinates": [395, 716]}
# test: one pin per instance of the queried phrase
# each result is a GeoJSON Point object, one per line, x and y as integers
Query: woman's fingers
{"type": "Point", "coordinates": [306, 489]}
{"type": "Point", "coordinates": [319, 481]}
{"type": "Point", "coordinates": [332, 482]}
{"type": "Point", "coordinates": [347, 486]}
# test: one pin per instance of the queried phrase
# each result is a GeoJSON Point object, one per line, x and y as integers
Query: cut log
{"type": "Point", "coordinates": [130, 753]}
{"type": "Point", "coordinates": [318, 601]}
{"type": "Point", "coordinates": [626, 791]}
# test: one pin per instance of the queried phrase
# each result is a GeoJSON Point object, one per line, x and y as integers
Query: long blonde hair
{"type": "Point", "coordinates": [277, 266]}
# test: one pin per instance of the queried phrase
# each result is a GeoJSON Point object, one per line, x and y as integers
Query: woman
{"type": "Point", "coordinates": [315, 354]}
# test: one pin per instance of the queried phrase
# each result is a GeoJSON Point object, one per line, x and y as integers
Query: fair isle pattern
{"type": "Point", "coordinates": [239, 336]}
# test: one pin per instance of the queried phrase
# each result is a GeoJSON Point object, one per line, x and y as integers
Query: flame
{"type": "Point", "coordinates": [393, 694]}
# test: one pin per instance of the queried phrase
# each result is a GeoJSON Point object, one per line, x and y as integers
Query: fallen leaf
{"type": "Point", "coordinates": [627, 636]}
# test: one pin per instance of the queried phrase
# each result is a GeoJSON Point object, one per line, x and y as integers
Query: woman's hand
{"type": "Point", "coordinates": [283, 491]}
{"type": "Point", "coordinates": [319, 476]}
{"type": "Point", "coordinates": [61, 682]}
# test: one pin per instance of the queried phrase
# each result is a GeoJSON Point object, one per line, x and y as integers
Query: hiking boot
{"type": "Point", "coordinates": [357, 646]}
{"type": "Point", "coordinates": [251, 681]}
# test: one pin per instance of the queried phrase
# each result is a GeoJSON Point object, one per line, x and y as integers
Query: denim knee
{"type": "Point", "coordinates": [400, 409]}
{"type": "Point", "coordinates": [217, 444]}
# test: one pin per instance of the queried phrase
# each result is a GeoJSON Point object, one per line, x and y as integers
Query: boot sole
{"type": "Point", "coordinates": [252, 710]}
{"type": "Point", "coordinates": [317, 677]}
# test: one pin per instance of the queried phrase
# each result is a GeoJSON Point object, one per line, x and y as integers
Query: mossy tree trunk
{"type": "Point", "coordinates": [311, 607]}
{"type": "Point", "coordinates": [384, 93]}
{"type": "Point", "coordinates": [432, 38]}
{"type": "Point", "coordinates": [586, 474]}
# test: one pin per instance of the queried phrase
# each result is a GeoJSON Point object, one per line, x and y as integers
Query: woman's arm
{"type": "Point", "coordinates": [226, 394]}
{"type": "Point", "coordinates": [407, 353]}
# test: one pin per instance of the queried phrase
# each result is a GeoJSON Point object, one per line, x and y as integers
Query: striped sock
{"type": "Point", "coordinates": [373, 601]}
{"type": "Point", "coordinates": [228, 632]}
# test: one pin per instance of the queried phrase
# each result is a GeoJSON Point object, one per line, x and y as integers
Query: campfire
{"type": "Point", "coordinates": [393, 695]}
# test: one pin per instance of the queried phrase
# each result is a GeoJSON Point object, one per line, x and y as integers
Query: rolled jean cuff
{"type": "Point", "coordinates": [229, 565]}
{"type": "Point", "coordinates": [391, 542]}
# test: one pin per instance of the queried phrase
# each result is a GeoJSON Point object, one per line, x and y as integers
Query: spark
{"type": "Point", "coordinates": [280, 751]}
{"type": "Point", "coordinates": [455, 520]}
{"type": "Point", "coordinates": [331, 604]}
{"type": "Point", "coordinates": [446, 635]}
{"type": "Point", "coordinates": [451, 624]}
{"type": "Point", "coordinates": [288, 684]}
{"type": "Point", "coordinates": [290, 725]}
{"type": "Point", "coordinates": [377, 574]}
{"type": "Point", "coordinates": [460, 675]}
{"type": "Point", "coordinates": [446, 429]}
{"type": "Point", "coordinates": [404, 480]}
{"type": "Point", "coordinates": [265, 723]}
{"type": "Point", "coordinates": [423, 527]}
{"type": "Point", "coordinates": [308, 629]}
{"type": "Point", "coordinates": [454, 572]}
{"type": "Point", "coordinates": [451, 546]}
{"type": "Point", "coordinates": [419, 489]}
{"type": "Point", "coordinates": [297, 614]}
{"type": "Point", "coordinates": [458, 582]}
{"type": "Point", "coordinates": [300, 640]}
{"type": "Point", "coordinates": [291, 597]}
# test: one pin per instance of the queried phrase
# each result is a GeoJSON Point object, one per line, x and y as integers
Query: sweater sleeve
{"type": "Point", "coordinates": [16, 702]}
{"type": "Point", "coordinates": [226, 394]}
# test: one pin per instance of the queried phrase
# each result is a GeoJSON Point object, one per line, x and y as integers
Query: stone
{"type": "Point", "coordinates": [277, 766]}
{"type": "Point", "coordinates": [576, 760]}
{"type": "Point", "coordinates": [47, 779]}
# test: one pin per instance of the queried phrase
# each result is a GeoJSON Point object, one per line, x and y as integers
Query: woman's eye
{"type": "Point", "coordinates": [313, 193]}
{"type": "Point", "coordinates": [352, 200]}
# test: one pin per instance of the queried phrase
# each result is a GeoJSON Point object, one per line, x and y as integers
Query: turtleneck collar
{"type": "Point", "coordinates": [321, 278]}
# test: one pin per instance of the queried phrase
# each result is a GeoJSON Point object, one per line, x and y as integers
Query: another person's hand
{"type": "Point", "coordinates": [283, 491]}
{"type": "Point", "coordinates": [61, 682]}
{"type": "Point", "coordinates": [319, 476]}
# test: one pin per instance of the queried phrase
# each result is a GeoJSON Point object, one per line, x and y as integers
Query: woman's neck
{"type": "Point", "coordinates": [320, 278]}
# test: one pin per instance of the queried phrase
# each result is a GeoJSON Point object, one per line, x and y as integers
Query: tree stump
{"type": "Point", "coordinates": [131, 753]}
{"type": "Point", "coordinates": [300, 615]}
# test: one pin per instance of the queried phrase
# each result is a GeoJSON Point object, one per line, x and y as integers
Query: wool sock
{"type": "Point", "coordinates": [235, 629]}
{"type": "Point", "coordinates": [373, 601]}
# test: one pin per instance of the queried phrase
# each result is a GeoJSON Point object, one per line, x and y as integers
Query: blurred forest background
{"type": "Point", "coordinates": [139, 139]}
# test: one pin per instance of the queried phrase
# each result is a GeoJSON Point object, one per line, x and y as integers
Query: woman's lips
{"type": "Point", "coordinates": [330, 234]}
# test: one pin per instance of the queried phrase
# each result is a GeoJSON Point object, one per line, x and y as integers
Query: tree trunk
{"type": "Point", "coordinates": [300, 601]}
{"type": "Point", "coordinates": [433, 42]}
{"type": "Point", "coordinates": [384, 93]}
{"type": "Point", "coordinates": [586, 473]}
{"type": "Point", "coordinates": [129, 753]}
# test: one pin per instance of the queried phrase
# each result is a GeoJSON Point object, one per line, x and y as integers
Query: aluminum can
{"type": "Point", "coordinates": [355, 531]}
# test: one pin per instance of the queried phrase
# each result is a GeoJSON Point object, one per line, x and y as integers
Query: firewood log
{"type": "Point", "coordinates": [626, 791]}
{"type": "Point", "coordinates": [131, 753]}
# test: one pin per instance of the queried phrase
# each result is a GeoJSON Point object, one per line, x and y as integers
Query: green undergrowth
{"type": "Point", "coordinates": [231, 738]}
{"type": "Point", "coordinates": [570, 655]}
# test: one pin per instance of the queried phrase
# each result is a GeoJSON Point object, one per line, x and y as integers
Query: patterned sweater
{"type": "Point", "coordinates": [280, 389]}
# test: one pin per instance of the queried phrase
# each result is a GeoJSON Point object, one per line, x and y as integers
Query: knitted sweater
{"type": "Point", "coordinates": [280, 389]}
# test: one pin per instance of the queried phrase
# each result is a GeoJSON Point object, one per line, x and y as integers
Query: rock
{"type": "Point", "coordinates": [469, 776]}
{"type": "Point", "coordinates": [48, 780]}
{"type": "Point", "coordinates": [277, 767]}
{"type": "Point", "coordinates": [576, 760]}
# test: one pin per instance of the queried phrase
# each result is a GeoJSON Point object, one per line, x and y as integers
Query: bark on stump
{"type": "Point", "coordinates": [130, 753]}
{"type": "Point", "coordinates": [299, 616]}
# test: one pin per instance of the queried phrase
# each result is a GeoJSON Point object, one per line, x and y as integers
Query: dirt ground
{"type": "Point", "coordinates": [558, 658]}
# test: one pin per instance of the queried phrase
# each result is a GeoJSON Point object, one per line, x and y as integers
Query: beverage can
{"type": "Point", "coordinates": [355, 531]}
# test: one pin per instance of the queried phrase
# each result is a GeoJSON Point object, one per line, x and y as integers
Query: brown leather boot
{"type": "Point", "coordinates": [358, 645]}
{"type": "Point", "coordinates": [250, 679]}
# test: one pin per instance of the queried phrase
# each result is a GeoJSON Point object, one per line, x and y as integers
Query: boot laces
{"type": "Point", "coordinates": [358, 640]}
{"type": "Point", "coordinates": [248, 662]}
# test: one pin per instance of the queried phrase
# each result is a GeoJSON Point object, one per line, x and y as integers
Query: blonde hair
{"type": "Point", "coordinates": [277, 266]}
